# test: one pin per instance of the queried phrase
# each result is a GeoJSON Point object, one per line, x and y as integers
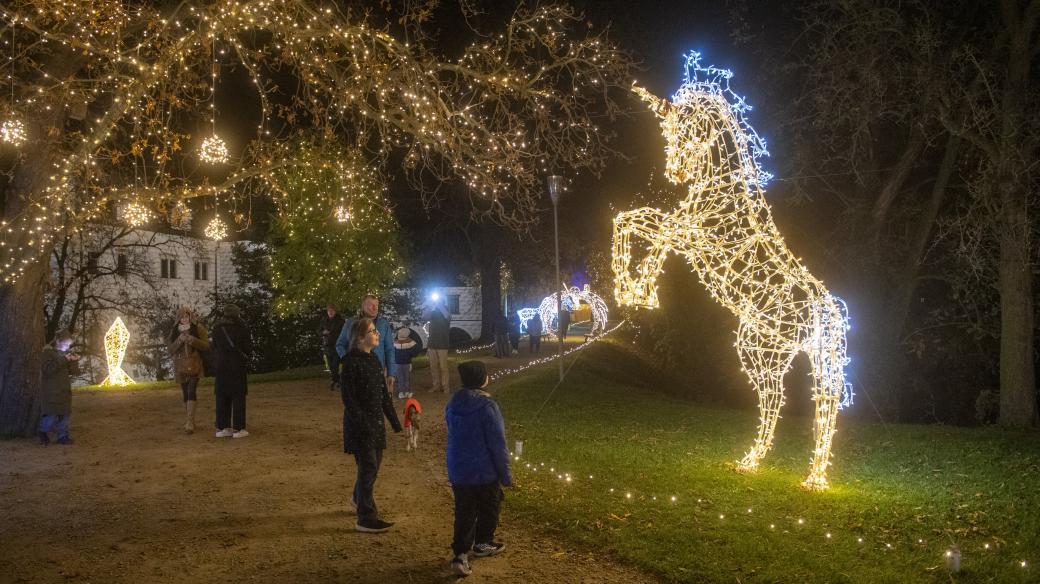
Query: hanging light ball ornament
{"type": "Point", "coordinates": [342, 214]}
{"type": "Point", "coordinates": [213, 150]}
{"type": "Point", "coordinates": [135, 214]}
{"type": "Point", "coordinates": [217, 229]}
{"type": "Point", "coordinates": [12, 132]}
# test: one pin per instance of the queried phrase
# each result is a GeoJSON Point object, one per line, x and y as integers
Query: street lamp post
{"type": "Point", "coordinates": [556, 187]}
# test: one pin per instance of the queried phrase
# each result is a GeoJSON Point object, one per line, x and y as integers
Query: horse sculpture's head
{"type": "Point", "coordinates": [708, 137]}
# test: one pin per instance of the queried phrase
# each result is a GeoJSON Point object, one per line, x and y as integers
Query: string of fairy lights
{"type": "Point", "coordinates": [511, 106]}
{"type": "Point", "coordinates": [725, 231]}
{"type": "Point", "coordinates": [704, 508]}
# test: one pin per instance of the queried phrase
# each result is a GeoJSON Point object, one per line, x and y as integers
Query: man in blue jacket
{"type": "Point", "coordinates": [385, 351]}
{"type": "Point", "coordinates": [478, 466]}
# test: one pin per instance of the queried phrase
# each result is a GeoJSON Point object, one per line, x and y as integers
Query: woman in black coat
{"type": "Point", "coordinates": [232, 346]}
{"type": "Point", "coordinates": [365, 402]}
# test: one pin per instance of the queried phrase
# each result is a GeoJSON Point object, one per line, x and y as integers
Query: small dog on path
{"type": "Point", "coordinates": [412, 419]}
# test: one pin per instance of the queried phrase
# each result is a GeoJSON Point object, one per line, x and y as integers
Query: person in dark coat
{"type": "Point", "coordinates": [534, 333]}
{"type": "Point", "coordinates": [232, 347]}
{"type": "Point", "coordinates": [366, 401]}
{"type": "Point", "coordinates": [57, 365]}
{"type": "Point", "coordinates": [514, 332]}
{"type": "Point", "coordinates": [501, 330]}
{"type": "Point", "coordinates": [565, 323]}
{"type": "Point", "coordinates": [329, 329]}
{"type": "Point", "coordinates": [478, 466]}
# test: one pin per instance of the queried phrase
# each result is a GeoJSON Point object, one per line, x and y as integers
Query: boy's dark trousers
{"type": "Point", "coordinates": [231, 407]}
{"type": "Point", "coordinates": [476, 515]}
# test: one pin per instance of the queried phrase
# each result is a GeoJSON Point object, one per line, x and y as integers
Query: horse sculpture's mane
{"type": "Point", "coordinates": [711, 81]}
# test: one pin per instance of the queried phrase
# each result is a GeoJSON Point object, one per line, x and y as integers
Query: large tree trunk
{"type": "Point", "coordinates": [490, 263]}
{"type": "Point", "coordinates": [1013, 150]}
{"type": "Point", "coordinates": [21, 302]}
{"type": "Point", "coordinates": [1017, 376]}
{"type": "Point", "coordinates": [21, 324]}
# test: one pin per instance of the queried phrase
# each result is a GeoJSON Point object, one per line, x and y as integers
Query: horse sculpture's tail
{"type": "Point", "coordinates": [826, 347]}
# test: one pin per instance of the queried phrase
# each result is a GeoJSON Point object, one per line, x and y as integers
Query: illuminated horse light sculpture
{"type": "Point", "coordinates": [572, 298]}
{"type": "Point", "coordinates": [725, 231]}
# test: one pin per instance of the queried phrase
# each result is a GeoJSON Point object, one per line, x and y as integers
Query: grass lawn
{"type": "Point", "coordinates": [901, 495]}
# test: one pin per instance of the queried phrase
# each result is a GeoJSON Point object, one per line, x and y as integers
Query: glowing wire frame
{"type": "Point", "coordinates": [725, 230]}
{"type": "Point", "coordinates": [116, 341]}
{"type": "Point", "coordinates": [572, 298]}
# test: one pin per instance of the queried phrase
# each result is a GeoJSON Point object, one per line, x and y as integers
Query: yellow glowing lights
{"type": "Point", "coordinates": [135, 214]}
{"type": "Point", "coordinates": [116, 341]}
{"type": "Point", "coordinates": [217, 230]}
{"type": "Point", "coordinates": [12, 132]}
{"type": "Point", "coordinates": [343, 214]}
{"type": "Point", "coordinates": [725, 230]}
{"type": "Point", "coordinates": [213, 150]}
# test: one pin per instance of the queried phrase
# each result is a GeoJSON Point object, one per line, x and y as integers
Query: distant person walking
{"type": "Point", "coordinates": [564, 323]}
{"type": "Point", "coordinates": [57, 365]}
{"type": "Point", "coordinates": [501, 330]}
{"type": "Point", "coordinates": [186, 341]}
{"type": "Point", "coordinates": [366, 401]}
{"type": "Point", "coordinates": [405, 349]}
{"type": "Point", "coordinates": [329, 329]}
{"type": "Point", "coordinates": [514, 332]}
{"type": "Point", "coordinates": [232, 347]}
{"type": "Point", "coordinates": [534, 333]}
{"type": "Point", "coordinates": [478, 466]}
{"type": "Point", "coordinates": [438, 344]}
{"type": "Point", "coordinates": [384, 351]}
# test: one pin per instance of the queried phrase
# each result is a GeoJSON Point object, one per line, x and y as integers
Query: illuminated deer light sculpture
{"type": "Point", "coordinates": [726, 232]}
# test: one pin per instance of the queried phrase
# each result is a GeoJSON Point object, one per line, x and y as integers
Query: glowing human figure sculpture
{"type": "Point", "coordinates": [725, 231]}
{"type": "Point", "coordinates": [116, 341]}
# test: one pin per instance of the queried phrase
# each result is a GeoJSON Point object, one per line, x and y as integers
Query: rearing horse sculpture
{"type": "Point", "coordinates": [725, 231]}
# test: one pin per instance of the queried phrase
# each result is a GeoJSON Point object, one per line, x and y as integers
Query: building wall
{"type": "Point", "coordinates": [146, 293]}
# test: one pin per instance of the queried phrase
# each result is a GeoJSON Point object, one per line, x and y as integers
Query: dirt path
{"type": "Point", "coordinates": [136, 500]}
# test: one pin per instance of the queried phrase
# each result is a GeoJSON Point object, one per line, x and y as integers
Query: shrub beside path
{"type": "Point", "coordinates": [136, 500]}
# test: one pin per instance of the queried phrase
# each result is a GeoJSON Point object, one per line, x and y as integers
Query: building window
{"type": "Point", "coordinates": [453, 304]}
{"type": "Point", "coordinates": [92, 262]}
{"type": "Point", "coordinates": [201, 270]}
{"type": "Point", "coordinates": [168, 268]}
{"type": "Point", "coordinates": [121, 264]}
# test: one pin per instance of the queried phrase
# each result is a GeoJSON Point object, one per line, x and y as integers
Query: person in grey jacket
{"type": "Point", "coordinates": [56, 389]}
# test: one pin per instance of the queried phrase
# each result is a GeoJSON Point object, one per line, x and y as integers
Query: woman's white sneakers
{"type": "Point", "coordinates": [225, 433]}
{"type": "Point", "coordinates": [241, 433]}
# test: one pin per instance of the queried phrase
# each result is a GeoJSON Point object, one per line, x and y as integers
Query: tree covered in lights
{"type": "Point", "coordinates": [334, 238]}
{"type": "Point", "coordinates": [115, 100]}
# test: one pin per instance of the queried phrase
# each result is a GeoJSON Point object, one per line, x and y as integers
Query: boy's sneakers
{"type": "Point", "coordinates": [460, 566]}
{"type": "Point", "coordinates": [44, 438]}
{"type": "Point", "coordinates": [225, 433]}
{"type": "Point", "coordinates": [241, 433]}
{"type": "Point", "coordinates": [483, 550]}
{"type": "Point", "coordinates": [377, 526]}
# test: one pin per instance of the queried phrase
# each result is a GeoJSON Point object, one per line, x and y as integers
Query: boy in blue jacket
{"type": "Point", "coordinates": [478, 466]}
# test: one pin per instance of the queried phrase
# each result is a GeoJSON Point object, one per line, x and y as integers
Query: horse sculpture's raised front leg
{"type": "Point", "coordinates": [646, 224]}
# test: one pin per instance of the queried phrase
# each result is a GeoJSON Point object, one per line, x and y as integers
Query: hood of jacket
{"type": "Point", "coordinates": [467, 402]}
{"type": "Point", "coordinates": [405, 345]}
